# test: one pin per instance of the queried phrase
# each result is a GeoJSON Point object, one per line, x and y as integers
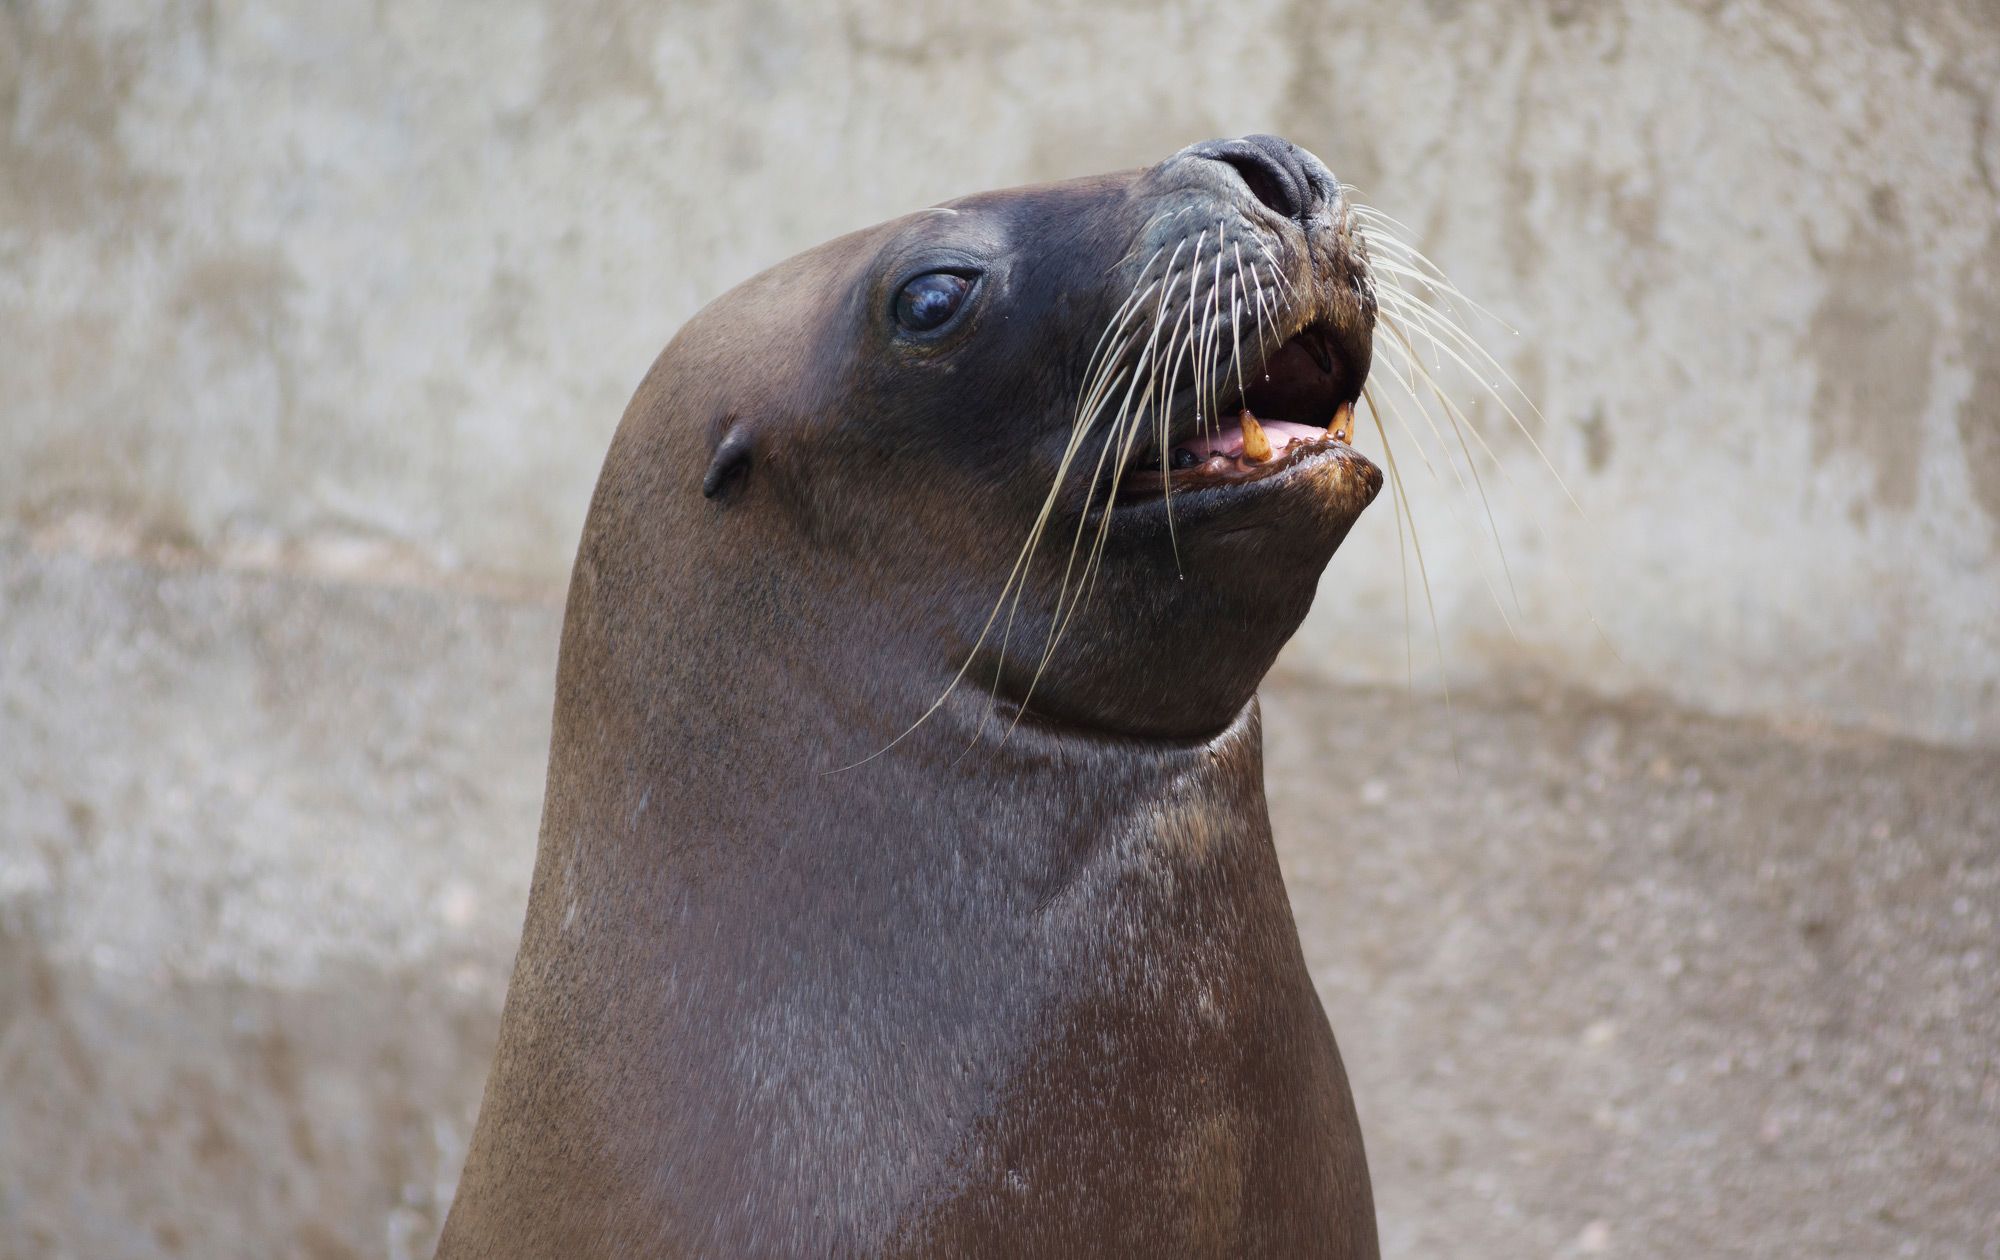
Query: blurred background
{"type": "Point", "coordinates": [1672, 932]}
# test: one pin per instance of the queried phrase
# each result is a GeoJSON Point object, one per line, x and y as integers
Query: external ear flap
{"type": "Point", "coordinates": [732, 461]}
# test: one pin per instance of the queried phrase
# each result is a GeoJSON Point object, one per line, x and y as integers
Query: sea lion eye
{"type": "Point", "coordinates": [929, 300]}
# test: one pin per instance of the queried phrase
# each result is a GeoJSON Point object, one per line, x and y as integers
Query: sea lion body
{"type": "Point", "coordinates": [804, 975]}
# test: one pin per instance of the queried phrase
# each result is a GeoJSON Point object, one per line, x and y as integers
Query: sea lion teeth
{"type": "Point", "coordinates": [1256, 443]}
{"type": "Point", "coordinates": [1342, 424]}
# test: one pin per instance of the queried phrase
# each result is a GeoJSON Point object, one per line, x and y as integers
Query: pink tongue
{"type": "Point", "coordinates": [1230, 440]}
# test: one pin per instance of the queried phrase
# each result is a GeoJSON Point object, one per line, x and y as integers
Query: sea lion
{"type": "Point", "coordinates": [903, 889]}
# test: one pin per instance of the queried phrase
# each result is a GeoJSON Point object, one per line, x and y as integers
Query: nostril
{"type": "Point", "coordinates": [1269, 182]}
{"type": "Point", "coordinates": [1273, 181]}
{"type": "Point", "coordinates": [1286, 178]}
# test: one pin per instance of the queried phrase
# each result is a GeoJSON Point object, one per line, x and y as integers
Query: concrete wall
{"type": "Point", "coordinates": [354, 290]}
{"type": "Point", "coordinates": [315, 320]}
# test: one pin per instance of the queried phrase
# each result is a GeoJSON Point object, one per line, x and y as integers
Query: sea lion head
{"type": "Point", "coordinates": [1001, 444]}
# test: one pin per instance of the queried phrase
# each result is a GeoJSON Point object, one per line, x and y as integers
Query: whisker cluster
{"type": "Point", "coordinates": [1181, 327]}
{"type": "Point", "coordinates": [1179, 336]}
{"type": "Point", "coordinates": [1420, 338]}
{"type": "Point", "coordinates": [1183, 321]}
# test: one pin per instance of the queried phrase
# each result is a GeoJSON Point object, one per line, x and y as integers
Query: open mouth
{"type": "Point", "coordinates": [1300, 403]}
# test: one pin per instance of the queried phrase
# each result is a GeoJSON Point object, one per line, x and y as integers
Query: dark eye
{"type": "Point", "coordinates": [929, 300]}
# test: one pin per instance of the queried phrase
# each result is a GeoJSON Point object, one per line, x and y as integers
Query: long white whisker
{"type": "Point", "coordinates": [1264, 321]}
{"type": "Point", "coordinates": [1092, 394]}
{"type": "Point", "coordinates": [1428, 273]}
{"type": "Point", "coordinates": [1534, 518]}
{"type": "Point", "coordinates": [1416, 545]}
{"type": "Point", "coordinates": [1520, 424]}
{"type": "Point", "coordinates": [1459, 425]}
{"type": "Point", "coordinates": [1409, 388]}
{"type": "Point", "coordinates": [1210, 354]}
{"type": "Point", "coordinates": [1235, 331]}
{"type": "Point", "coordinates": [1434, 284]}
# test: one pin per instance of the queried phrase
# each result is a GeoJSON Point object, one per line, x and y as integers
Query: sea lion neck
{"type": "Point", "coordinates": [832, 742]}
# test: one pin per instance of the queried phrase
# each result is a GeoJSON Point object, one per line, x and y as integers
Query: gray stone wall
{"type": "Point", "coordinates": [1673, 935]}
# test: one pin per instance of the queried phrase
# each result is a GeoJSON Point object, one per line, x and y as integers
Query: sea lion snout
{"type": "Point", "coordinates": [1266, 274]}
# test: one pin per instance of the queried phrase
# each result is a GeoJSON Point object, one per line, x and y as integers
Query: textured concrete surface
{"type": "Point", "coordinates": [314, 323]}
{"type": "Point", "coordinates": [1612, 981]}
{"type": "Point", "coordinates": [1624, 982]}
{"type": "Point", "coordinates": [264, 847]}
{"type": "Point", "coordinates": [367, 287]}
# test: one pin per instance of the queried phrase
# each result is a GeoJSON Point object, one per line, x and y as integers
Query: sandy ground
{"type": "Point", "coordinates": [1610, 979]}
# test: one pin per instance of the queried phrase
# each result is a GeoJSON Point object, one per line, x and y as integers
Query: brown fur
{"type": "Point", "coordinates": [1038, 995]}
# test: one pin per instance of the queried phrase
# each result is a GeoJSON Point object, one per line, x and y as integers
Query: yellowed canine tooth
{"type": "Point", "coordinates": [1342, 426]}
{"type": "Point", "coordinates": [1256, 446]}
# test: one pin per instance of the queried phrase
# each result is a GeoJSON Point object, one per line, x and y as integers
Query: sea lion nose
{"type": "Point", "coordinates": [1280, 174]}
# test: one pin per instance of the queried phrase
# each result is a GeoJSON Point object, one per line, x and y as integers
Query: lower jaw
{"type": "Point", "coordinates": [1341, 482]}
{"type": "Point", "coordinates": [1241, 457]}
